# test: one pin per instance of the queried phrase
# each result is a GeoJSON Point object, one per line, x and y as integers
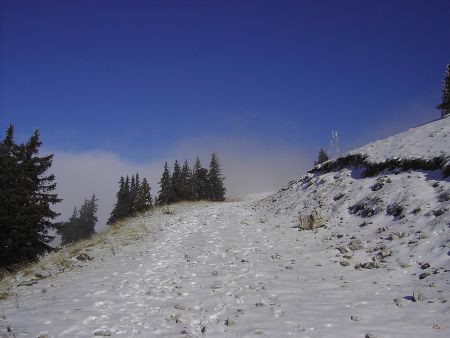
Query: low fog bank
{"type": "Point", "coordinates": [248, 167]}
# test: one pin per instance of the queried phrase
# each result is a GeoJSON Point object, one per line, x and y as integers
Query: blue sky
{"type": "Point", "coordinates": [143, 80]}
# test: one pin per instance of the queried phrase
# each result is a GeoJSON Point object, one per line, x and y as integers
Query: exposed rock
{"type": "Point", "coordinates": [398, 302]}
{"type": "Point", "coordinates": [338, 197]}
{"type": "Point", "coordinates": [439, 212]}
{"type": "Point", "coordinates": [310, 222]}
{"type": "Point", "coordinates": [395, 210]}
{"type": "Point", "coordinates": [370, 335]}
{"type": "Point", "coordinates": [367, 207]}
{"type": "Point", "coordinates": [368, 265]}
{"type": "Point", "coordinates": [342, 249]}
{"type": "Point", "coordinates": [418, 296]}
{"type": "Point", "coordinates": [83, 256]}
{"type": "Point", "coordinates": [229, 322]}
{"type": "Point", "coordinates": [103, 333]}
{"type": "Point", "coordinates": [28, 282]}
{"type": "Point", "coordinates": [355, 318]}
{"type": "Point", "coordinates": [424, 275]}
{"type": "Point", "coordinates": [444, 197]}
{"type": "Point", "coordinates": [344, 263]}
{"type": "Point", "coordinates": [355, 244]}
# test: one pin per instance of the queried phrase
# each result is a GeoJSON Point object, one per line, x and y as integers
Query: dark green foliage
{"type": "Point", "coordinates": [216, 190]}
{"type": "Point", "coordinates": [186, 177]}
{"type": "Point", "coordinates": [133, 197]}
{"type": "Point", "coordinates": [444, 106]}
{"type": "Point", "coordinates": [176, 184]}
{"type": "Point", "coordinates": [202, 184]}
{"type": "Point", "coordinates": [351, 160]}
{"type": "Point", "coordinates": [164, 195]}
{"type": "Point", "coordinates": [121, 208]}
{"type": "Point", "coordinates": [194, 182]}
{"type": "Point", "coordinates": [25, 200]}
{"type": "Point", "coordinates": [323, 157]}
{"type": "Point", "coordinates": [373, 169]}
{"type": "Point", "coordinates": [81, 224]}
{"type": "Point", "coordinates": [191, 185]}
{"type": "Point", "coordinates": [142, 200]}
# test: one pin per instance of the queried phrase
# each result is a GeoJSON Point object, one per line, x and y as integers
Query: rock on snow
{"type": "Point", "coordinates": [244, 269]}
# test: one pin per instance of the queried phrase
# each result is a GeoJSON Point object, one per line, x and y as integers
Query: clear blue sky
{"type": "Point", "coordinates": [137, 77]}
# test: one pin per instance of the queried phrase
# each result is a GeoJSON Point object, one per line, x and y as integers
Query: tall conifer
{"type": "Point", "coordinates": [216, 190]}
{"type": "Point", "coordinates": [444, 106]}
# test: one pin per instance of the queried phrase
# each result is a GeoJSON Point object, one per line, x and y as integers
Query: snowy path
{"type": "Point", "coordinates": [221, 270]}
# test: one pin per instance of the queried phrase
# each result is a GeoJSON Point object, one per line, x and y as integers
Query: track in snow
{"type": "Point", "coordinates": [218, 270]}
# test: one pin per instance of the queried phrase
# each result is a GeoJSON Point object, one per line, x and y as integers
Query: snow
{"type": "Point", "coordinates": [427, 141]}
{"type": "Point", "coordinates": [243, 268]}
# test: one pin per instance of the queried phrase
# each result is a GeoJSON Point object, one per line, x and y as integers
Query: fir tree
{"type": "Point", "coordinates": [176, 183]}
{"type": "Point", "coordinates": [216, 190]}
{"type": "Point", "coordinates": [202, 191]}
{"type": "Point", "coordinates": [146, 196]}
{"type": "Point", "coordinates": [143, 199]}
{"type": "Point", "coordinates": [323, 157]}
{"type": "Point", "coordinates": [121, 208]}
{"type": "Point", "coordinates": [186, 177]}
{"type": "Point", "coordinates": [68, 229]}
{"type": "Point", "coordinates": [88, 218]}
{"type": "Point", "coordinates": [25, 197]}
{"type": "Point", "coordinates": [81, 224]}
{"type": "Point", "coordinates": [444, 106]}
{"type": "Point", "coordinates": [194, 182]}
{"type": "Point", "coordinates": [164, 194]}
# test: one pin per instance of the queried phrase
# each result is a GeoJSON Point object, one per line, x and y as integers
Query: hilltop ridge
{"type": "Point", "coordinates": [335, 253]}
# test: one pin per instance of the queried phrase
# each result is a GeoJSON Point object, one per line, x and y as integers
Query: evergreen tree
{"type": "Point", "coordinates": [146, 196]}
{"type": "Point", "coordinates": [185, 182]}
{"type": "Point", "coordinates": [216, 190]}
{"type": "Point", "coordinates": [143, 200]}
{"type": "Point", "coordinates": [176, 183]}
{"type": "Point", "coordinates": [25, 197]}
{"type": "Point", "coordinates": [202, 191]}
{"type": "Point", "coordinates": [81, 224]}
{"type": "Point", "coordinates": [121, 208]}
{"type": "Point", "coordinates": [88, 219]}
{"type": "Point", "coordinates": [323, 157]}
{"type": "Point", "coordinates": [194, 181]}
{"type": "Point", "coordinates": [444, 106]}
{"type": "Point", "coordinates": [164, 194]}
{"type": "Point", "coordinates": [68, 229]}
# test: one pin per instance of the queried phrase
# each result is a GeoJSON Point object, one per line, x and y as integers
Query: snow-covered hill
{"type": "Point", "coordinates": [377, 265]}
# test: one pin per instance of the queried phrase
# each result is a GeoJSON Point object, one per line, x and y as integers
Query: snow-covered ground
{"type": "Point", "coordinates": [378, 268]}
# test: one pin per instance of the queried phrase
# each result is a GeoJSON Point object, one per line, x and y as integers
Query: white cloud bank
{"type": "Point", "coordinates": [248, 166]}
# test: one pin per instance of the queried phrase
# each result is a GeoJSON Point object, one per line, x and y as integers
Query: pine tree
{"type": "Point", "coordinates": [185, 182]}
{"type": "Point", "coordinates": [121, 208]}
{"type": "Point", "coordinates": [81, 224]}
{"type": "Point", "coordinates": [323, 157]}
{"type": "Point", "coordinates": [202, 184]}
{"type": "Point", "coordinates": [176, 183]}
{"type": "Point", "coordinates": [88, 219]}
{"type": "Point", "coordinates": [68, 229]}
{"type": "Point", "coordinates": [146, 196]}
{"type": "Point", "coordinates": [444, 106]}
{"type": "Point", "coordinates": [25, 196]}
{"type": "Point", "coordinates": [164, 194]}
{"type": "Point", "coordinates": [194, 181]}
{"type": "Point", "coordinates": [143, 200]}
{"type": "Point", "coordinates": [216, 190]}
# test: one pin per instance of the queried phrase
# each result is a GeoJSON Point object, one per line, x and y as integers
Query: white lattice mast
{"type": "Point", "coordinates": [335, 144]}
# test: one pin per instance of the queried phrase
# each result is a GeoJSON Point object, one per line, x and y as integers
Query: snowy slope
{"type": "Point", "coordinates": [428, 141]}
{"type": "Point", "coordinates": [243, 269]}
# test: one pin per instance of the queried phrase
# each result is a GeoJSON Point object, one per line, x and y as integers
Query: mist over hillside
{"type": "Point", "coordinates": [341, 251]}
